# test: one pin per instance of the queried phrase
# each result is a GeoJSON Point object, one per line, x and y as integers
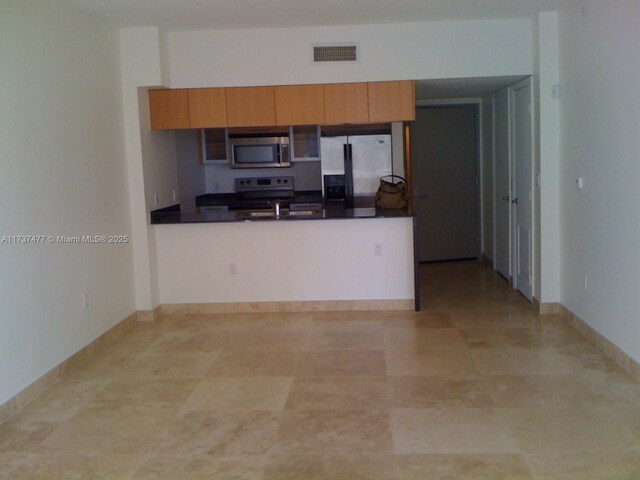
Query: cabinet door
{"type": "Point", "coordinates": [212, 145]}
{"type": "Point", "coordinates": [306, 142]}
{"type": "Point", "coordinates": [251, 106]}
{"type": "Point", "coordinates": [168, 109]}
{"type": "Point", "coordinates": [207, 108]}
{"type": "Point", "coordinates": [346, 103]}
{"type": "Point", "coordinates": [299, 105]}
{"type": "Point", "coordinates": [392, 101]}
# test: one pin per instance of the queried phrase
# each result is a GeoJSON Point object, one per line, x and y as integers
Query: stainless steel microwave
{"type": "Point", "coordinates": [259, 152]}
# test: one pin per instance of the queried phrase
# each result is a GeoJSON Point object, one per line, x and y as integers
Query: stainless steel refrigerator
{"type": "Point", "coordinates": [352, 167]}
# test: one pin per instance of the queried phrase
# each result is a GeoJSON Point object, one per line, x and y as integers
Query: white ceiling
{"type": "Point", "coordinates": [233, 14]}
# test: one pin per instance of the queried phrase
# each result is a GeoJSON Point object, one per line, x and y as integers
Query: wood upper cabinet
{"type": "Point", "coordinates": [207, 108]}
{"type": "Point", "coordinates": [172, 109]}
{"type": "Point", "coordinates": [251, 106]}
{"type": "Point", "coordinates": [169, 109]}
{"type": "Point", "coordinates": [346, 103]}
{"type": "Point", "coordinates": [299, 105]}
{"type": "Point", "coordinates": [392, 101]}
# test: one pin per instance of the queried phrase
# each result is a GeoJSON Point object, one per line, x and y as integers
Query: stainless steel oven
{"type": "Point", "coordinates": [259, 152]}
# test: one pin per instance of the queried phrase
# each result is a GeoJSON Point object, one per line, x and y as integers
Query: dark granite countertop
{"type": "Point", "coordinates": [223, 216]}
{"type": "Point", "coordinates": [312, 199]}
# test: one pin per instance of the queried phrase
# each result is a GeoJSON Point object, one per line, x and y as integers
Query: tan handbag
{"type": "Point", "coordinates": [392, 193]}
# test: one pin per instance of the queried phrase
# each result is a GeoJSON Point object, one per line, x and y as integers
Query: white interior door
{"type": "Point", "coordinates": [502, 176]}
{"type": "Point", "coordinates": [444, 150]}
{"type": "Point", "coordinates": [523, 188]}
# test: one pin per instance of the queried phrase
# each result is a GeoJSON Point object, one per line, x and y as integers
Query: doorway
{"type": "Point", "coordinates": [445, 164]}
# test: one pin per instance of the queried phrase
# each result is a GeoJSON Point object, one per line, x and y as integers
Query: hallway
{"type": "Point", "coordinates": [474, 386]}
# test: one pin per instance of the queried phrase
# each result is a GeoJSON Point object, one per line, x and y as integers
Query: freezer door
{"type": "Point", "coordinates": [371, 158]}
{"type": "Point", "coordinates": [332, 153]}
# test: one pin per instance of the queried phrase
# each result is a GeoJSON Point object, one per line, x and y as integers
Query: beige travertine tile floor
{"type": "Point", "coordinates": [476, 386]}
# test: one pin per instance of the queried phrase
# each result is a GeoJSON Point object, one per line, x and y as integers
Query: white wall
{"type": "Point", "coordinates": [140, 56]}
{"type": "Point", "coordinates": [600, 125]}
{"type": "Point", "coordinates": [388, 52]}
{"type": "Point", "coordinates": [285, 261]}
{"type": "Point", "coordinates": [191, 176]}
{"type": "Point", "coordinates": [547, 164]}
{"type": "Point", "coordinates": [63, 173]}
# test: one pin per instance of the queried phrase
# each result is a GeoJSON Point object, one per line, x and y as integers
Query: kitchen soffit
{"type": "Point", "coordinates": [473, 87]}
{"type": "Point", "coordinates": [236, 14]}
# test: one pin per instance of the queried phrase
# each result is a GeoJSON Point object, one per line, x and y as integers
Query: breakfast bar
{"type": "Point", "coordinates": [353, 259]}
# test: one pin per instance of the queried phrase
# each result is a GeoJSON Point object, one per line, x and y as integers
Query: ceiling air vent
{"type": "Point", "coordinates": [335, 53]}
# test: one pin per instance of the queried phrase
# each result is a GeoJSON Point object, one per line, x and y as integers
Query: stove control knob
{"type": "Point", "coordinates": [286, 180]}
{"type": "Point", "coordinates": [279, 180]}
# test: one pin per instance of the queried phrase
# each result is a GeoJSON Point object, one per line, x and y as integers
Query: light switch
{"type": "Point", "coordinates": [580, 183]}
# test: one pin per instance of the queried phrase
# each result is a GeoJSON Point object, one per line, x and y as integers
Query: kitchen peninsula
{"type": "Point", "coordinates": [317, 258]}
{"type": "Point", "coordinates": [281, 264]}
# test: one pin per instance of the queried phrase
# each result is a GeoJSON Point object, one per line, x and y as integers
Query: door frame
{"type": "Point", "coordinates": [495, 194]}
{"type": "Point", "coordinates": [458, 103]}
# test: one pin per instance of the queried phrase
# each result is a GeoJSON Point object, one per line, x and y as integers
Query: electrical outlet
{"type": "Point", "coordinates": [377, 249]}
{"type": "Point", "coordinates": [85, 300]}
{"type": "Point", "coordinates": [155, 199]}
{"type": "Point", "coordinates": [584, 281]}
{"type": "Point", "coordinates": [233, 268]}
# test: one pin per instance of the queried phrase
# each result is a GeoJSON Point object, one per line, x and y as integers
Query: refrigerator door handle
{"type": "Point", "coordinates": [348, 174]}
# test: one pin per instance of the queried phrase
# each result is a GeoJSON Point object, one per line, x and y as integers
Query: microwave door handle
{"type": "Point", "coordinates": [283, 154]}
